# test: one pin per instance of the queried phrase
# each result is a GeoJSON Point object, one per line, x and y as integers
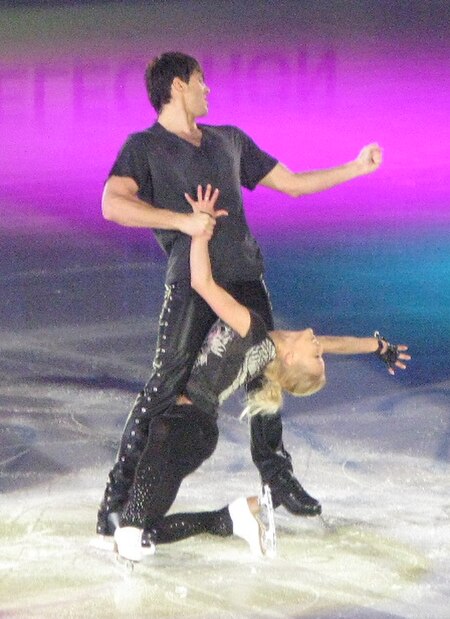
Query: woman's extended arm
{"type": "Point", "coordinates": [225, 306]}
{"type": "Point", "coordinates": [347, 345]}
{"type": "Point", "coordinates": [393, 356]}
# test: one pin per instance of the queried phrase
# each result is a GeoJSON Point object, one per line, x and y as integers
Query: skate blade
{"type": "Point", "coordinates": [269, 535]}
{"type": "Point", "coordinates": [327, 524]}
{"type": "Point", "coordinates": [128, 564]}
{"type": "Point", "coordinates": [148, 551]}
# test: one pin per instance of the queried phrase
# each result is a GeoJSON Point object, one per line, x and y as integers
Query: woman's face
{"type": "Point", "coordinates": [306, 349]}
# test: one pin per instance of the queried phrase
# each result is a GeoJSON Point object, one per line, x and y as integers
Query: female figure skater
{"type": "Point", "coordinates": [237, 349]}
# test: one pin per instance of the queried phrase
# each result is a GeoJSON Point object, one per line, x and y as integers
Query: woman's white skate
{"type": "Point", "coordinates": [257, 529]}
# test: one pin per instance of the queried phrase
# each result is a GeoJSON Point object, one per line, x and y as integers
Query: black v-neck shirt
{"type": "Point", "coordinates": [166, 166]}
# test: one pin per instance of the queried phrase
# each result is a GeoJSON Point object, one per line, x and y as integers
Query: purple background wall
{"type": "Point", "coordinates": [310, 81]}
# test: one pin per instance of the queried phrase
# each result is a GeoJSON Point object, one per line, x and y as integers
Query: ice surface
{"type": "Point", "coordinates": [373, 449]}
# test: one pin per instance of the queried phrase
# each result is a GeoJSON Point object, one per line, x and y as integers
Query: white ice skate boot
{"type": "Point", "coordinates": [108, 543]}
{"type": "Point", "coordinates": [129, 543]}
{"type": "Point", "coordinates": [247, 526]}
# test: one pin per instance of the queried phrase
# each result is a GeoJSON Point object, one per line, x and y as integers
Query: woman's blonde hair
{"type": "Point", "coordinates": [279, 377]}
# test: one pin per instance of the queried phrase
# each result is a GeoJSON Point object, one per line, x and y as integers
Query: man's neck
{"type": "Point", "coordinates": [178, 121]}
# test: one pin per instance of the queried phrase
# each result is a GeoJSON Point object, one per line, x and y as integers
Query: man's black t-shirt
{"type": "Point", "coordinates": [228, 361]}
{"type": "Point", "coordinates": [166, 166]}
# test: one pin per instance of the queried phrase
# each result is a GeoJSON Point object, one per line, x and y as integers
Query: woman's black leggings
{"type": "Point", "coordinates": [181, 438]}
{"type": "Point", "coordinates": [179, 526]}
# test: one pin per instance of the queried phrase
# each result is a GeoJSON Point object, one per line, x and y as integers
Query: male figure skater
{"type": "Point", "coordinates": [146, 188]}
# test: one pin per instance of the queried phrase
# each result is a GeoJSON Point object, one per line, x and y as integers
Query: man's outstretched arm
{"type": "Point", "coordinates": [298, 184]}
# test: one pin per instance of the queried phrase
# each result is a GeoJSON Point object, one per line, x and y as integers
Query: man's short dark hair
{"type": "Point", "coordinates": [161, 72]}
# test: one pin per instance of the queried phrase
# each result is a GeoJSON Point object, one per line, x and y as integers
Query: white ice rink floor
{"type": "Point", "coordinates": [374, 452]}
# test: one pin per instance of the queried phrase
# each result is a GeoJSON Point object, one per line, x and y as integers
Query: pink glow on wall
{"type": "Point", "coordinates": [311, 105]}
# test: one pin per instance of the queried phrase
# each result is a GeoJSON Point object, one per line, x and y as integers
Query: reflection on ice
{"type": "Point", "coordinates": [379, 551]}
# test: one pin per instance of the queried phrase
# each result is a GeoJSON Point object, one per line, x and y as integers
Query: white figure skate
{"type": "Point", "coordinates": [257, 530]}
{"type": "Point", "coordinates": [128, 542]}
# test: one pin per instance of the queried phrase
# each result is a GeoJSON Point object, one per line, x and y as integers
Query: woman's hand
{"type": "Point", "coordinates": [393, 355]}
{"type": "Point", "coordinates": [204, 210]}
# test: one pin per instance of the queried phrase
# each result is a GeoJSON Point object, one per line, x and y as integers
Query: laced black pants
{"type": "Point", "coordinates": [184, 321]}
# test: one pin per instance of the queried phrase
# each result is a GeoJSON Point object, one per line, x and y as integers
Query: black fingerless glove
{"type": "Point", "coordinates": [390, 355]}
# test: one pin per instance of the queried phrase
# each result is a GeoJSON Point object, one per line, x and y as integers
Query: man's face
{"type": "Point", "coordinates": [196, 93]}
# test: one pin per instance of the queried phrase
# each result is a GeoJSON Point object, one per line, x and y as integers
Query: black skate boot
{"type": "Point", "coordinates": [109, 510]}
{"type": "Point", "coordinates": [114, 498]}
{"type": "Point", "coordinates": [287, 491]}
{"type": "Point", "coordinates": [107, 521]}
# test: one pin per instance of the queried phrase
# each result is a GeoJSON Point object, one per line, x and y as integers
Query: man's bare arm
{"type": "Point", "coordinates": [121, 204]}
{"type": "Point", "coordinates": [297, 184]}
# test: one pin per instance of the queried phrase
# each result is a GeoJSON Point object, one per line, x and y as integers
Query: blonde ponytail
{"type": "Point", "coordinates": [269, 398]}
{"type": "Point", "coordinates": [278, 377]}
